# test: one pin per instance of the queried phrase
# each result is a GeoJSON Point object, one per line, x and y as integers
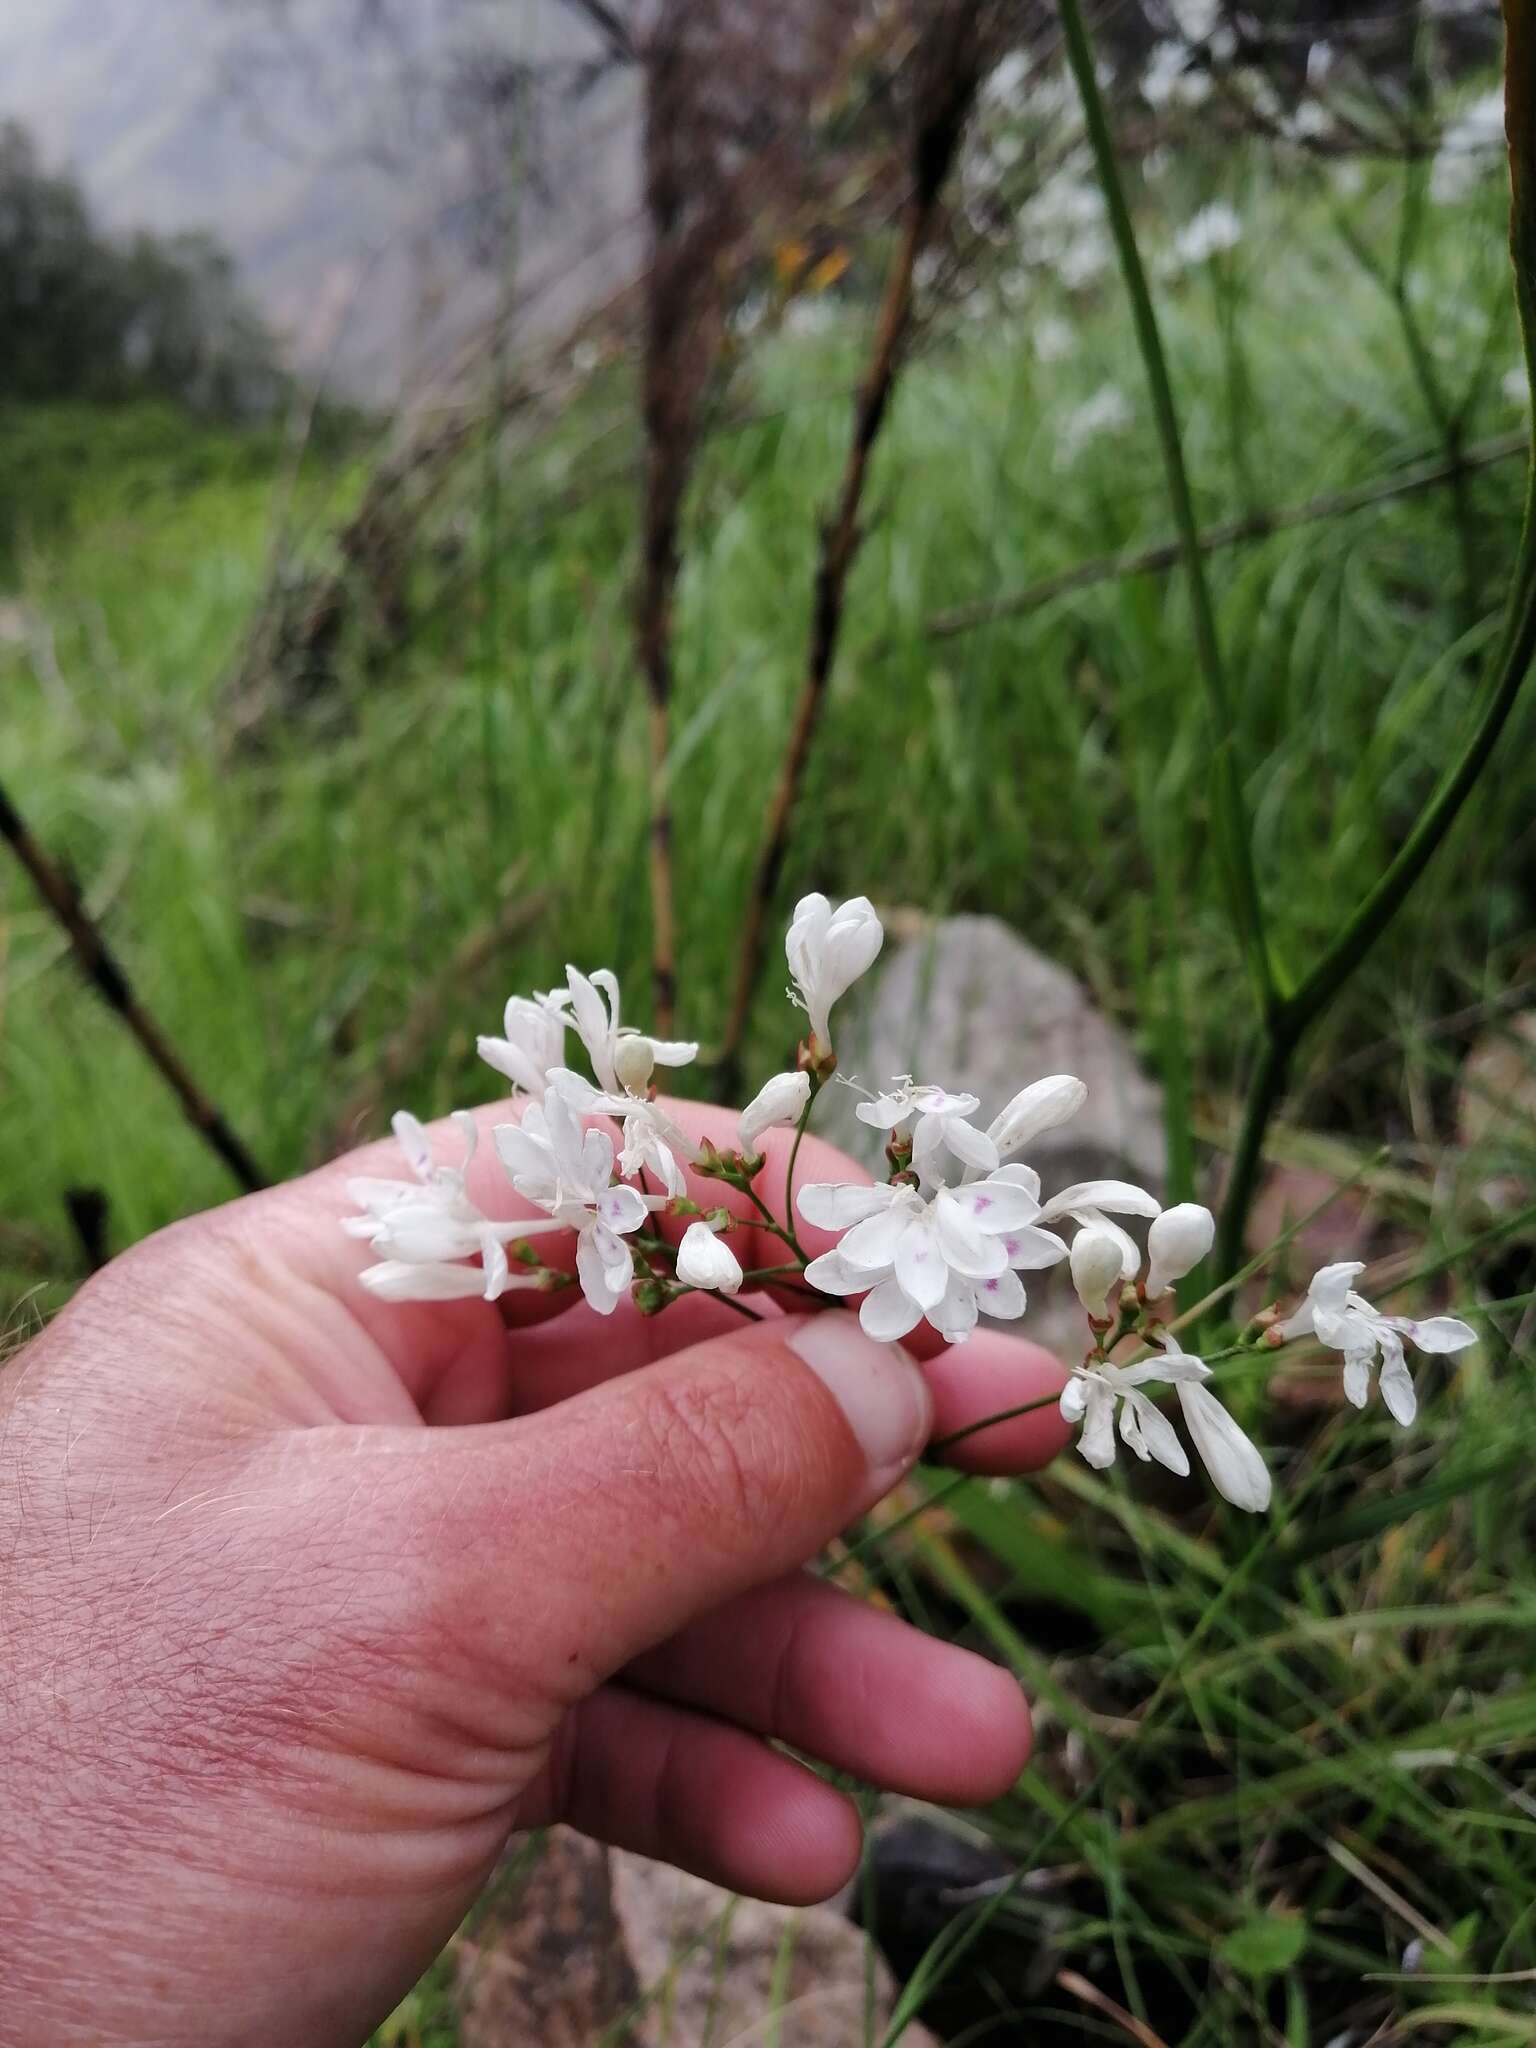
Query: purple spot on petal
{"type": "Point", "coordinates": [981, 1202]}
{"type": "Point", "coordinates": [1011, 1246]}
{"type": "Point", "coordinates": [991, 1287]}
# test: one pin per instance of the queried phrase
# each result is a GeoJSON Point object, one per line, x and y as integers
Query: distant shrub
{"type": "Point", "coordinates": [84, 315]}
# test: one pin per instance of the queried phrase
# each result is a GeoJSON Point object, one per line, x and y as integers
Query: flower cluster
{"type": "Point", "coordinates": [608, 1178]}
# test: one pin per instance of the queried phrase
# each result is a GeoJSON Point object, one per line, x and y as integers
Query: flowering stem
{"type": "Point", "coordinates": [794, 1159]}
{"type": "Point", "coordinates": [1232, 820]}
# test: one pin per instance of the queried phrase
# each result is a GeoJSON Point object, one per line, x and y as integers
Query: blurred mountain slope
{"type": "Point", "coordinates": [353, 154]}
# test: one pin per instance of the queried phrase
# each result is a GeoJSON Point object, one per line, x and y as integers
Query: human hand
{"type": "Point", "coordinates": [308, 1601]}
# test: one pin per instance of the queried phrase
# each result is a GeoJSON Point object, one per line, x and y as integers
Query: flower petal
{"type": "Point", "coordinates": [872, 1243]}
{"type": "Point", "coordinates": [1031, 1251]}
{"type": "Point", "coordinates": [397, 1280]}
{"type": "Point", "coordinates": [1440, 1333]}
{"type": "Point", "coordinates": [1039, 1107]}
{"type": "Point", "coordinates": [1159, 1439]}
{"type": "Point", "coordinates": [1120, 1197]}
{"type": "Point", "coordinates": [955, 1316]}
{"type": "Point", "coordinates": [887, 1314]}
{"type": "Point", "coordinates": [838, 1205]}
{"type": "Point", "coordinates": [1001, 1295]}
{"type": "Point", "coordinates": [998, 1205]}
{"type": "Point", "coordinates": [833, 1274]}
{"type": "Point", "coordinates": [412, 1136]}
{"type": "Point", "coordinates": [974, 1147]}
{"type": "Point", "coordinates": [1237, 1471]}
{"type": "Point", "coordinates": [919, 1264]}
{"type": "Point", "coordinates": [1097, 1442]}
{"type": "Point", "coordinates": [966, 1247]}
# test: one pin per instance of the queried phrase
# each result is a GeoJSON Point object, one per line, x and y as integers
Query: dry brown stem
{"type": "Point", "coordinates": [105, 972]}
{"type": "Point", "coordinates": [947, 63]}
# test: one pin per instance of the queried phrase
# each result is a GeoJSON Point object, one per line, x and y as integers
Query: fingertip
{"type": "Point", "coordinates": [1009, 1377]}
{"type": "Point", "coordinates": [993, 1730]}
{"type": "Point", "coordinates": [797, 1844]}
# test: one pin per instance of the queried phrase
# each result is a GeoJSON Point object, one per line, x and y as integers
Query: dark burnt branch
{"type": "Point", "coordinates": [949, 63]}
{"type": "Point", "coordinates": [105, 973]}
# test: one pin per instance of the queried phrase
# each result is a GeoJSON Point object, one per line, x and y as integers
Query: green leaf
{"type": "Point", "coordinates": [1264, 1945]}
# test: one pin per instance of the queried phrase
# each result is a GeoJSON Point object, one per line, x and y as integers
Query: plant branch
{"type": "Point", "coordinates": [1509, 668]}
{"type": "Point", "coordinates": [936, 136]}
{"type": "Point", "coordinates": [1231, 813]}
{"type": "Point", "coordinates": [1257, 525]}
{"type": "Point", "coordinates": [106, 974]}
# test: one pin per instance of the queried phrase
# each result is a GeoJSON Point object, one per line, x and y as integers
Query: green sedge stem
{"type": "Point", "coordinates": [1247, 906]}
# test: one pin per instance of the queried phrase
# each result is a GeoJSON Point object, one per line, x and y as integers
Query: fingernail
{"type": "Point", "coordinates": [877, 1386]}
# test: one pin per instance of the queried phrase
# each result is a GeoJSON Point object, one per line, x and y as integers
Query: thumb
{"type": "Point", "coordinates": [650, 1500]}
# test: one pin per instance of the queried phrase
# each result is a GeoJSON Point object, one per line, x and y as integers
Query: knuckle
{"type": "Point", "coordinates": [711, 1435]}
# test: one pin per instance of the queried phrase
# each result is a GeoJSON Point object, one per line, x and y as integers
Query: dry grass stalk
{"type": "Point", "coordinates": [1250, 526]}
{"type": "Point", "coordinates": [105, 973]}
{"type": "Point", "coordinates": [947, 65]}
{"type": "Point", "coordinates": [727, 151]}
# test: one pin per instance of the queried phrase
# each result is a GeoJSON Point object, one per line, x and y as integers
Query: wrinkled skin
{"type": "Point", "coordinates": [308, 1602]}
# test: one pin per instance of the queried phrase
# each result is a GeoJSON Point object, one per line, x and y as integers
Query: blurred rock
{"type": "Point", "coordinates": [1496, 1098]}
{"type": "Point", "coordinates": [965, 1002]}
{"type": "Point", "coordinates": [969, 1004]}
{"type": "Point", "coordinates": [568, 1958]}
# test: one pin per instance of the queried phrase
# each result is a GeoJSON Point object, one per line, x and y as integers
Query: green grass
{"type": "Point", "coordinates": [282, 898]}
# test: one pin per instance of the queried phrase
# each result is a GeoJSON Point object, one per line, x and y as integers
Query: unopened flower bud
{"type": "Point", "coordinates": [705, 1260]}
{"type": "Point", "coordinates": [634, 1061]}
{"type": "Point", "coordinates": [650, 1296]}
{"type": "Point", "coordinates": [1178, 1240]}
{"type": "Point", "coordinates": [779, 1101]}
{"type": "Point", "coordinates": [1096, 1267]}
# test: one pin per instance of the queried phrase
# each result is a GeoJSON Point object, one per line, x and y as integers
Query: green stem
{"type": "Point", "coordinates": [1266, 1086]}
{"type": "Point", "coordinates": [1287, 1022]}
{"type": "Point", "coordinates": [1232, 819]}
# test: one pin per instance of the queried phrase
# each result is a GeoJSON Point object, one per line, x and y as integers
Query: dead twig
{"type": "Point", "coordinates": [949, 61]}
{"type": "Point", "coordinates": [404, 1051]}
{"type": "Point", "coordinates": [1251, 526]}
{"type": "Point", "coordinates": [1090, 1995]}
{"type": "Point", "coordinates": [105, 973]}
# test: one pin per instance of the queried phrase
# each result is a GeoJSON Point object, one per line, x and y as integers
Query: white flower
{"type": "Point", "coordinates": [1052, 338]}
{"type": "Point", "coordinates": [1086, 1203]}
{"type": "Point", "coordinates": [704, 1259]}
{"type": "Point", "coordinates": [1039, 1107]}
{"type": "Point", "coordinates": [1171, 80]}
{"type": "Point", "coordinates": [1211, 232]}
{"type": "Point", "coordinates": [623, 1059]}
{"type": "Point", "coordinates": [1466, 148]}
{"type": "Point", "coordinates": [651, 1138]}
{"type": "Point", "coordinates": [1093, 1393]}
{"type": "Point", "coordinates": [827, 951]}
{"type": "Point", "coordinates": [1108, 411]}
{"type": "Point", "coordinates": [534, 1041]}
{"type": "Point", "coordinates": [949, 1257]}
{"type": "Point", "coordinates": [567, 1170]}
{"type": "Point", "coordinates": [1178, 1240]}
{"type": "Point", "coordinates": [779, 1101]}
{"type": "Point", "coordinates": [1196, 20]}
{"type": "Point", "coordinates": [423, 1227]}
{"type": "Point", "coordinates": [403, 1280]}
{"type": "Point", "coordinates": [1345, 1321]}
{"type": "Point", "coordinates": [1097, 1260]}
{"type": "Point", "coordinates": [941, 1125]}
